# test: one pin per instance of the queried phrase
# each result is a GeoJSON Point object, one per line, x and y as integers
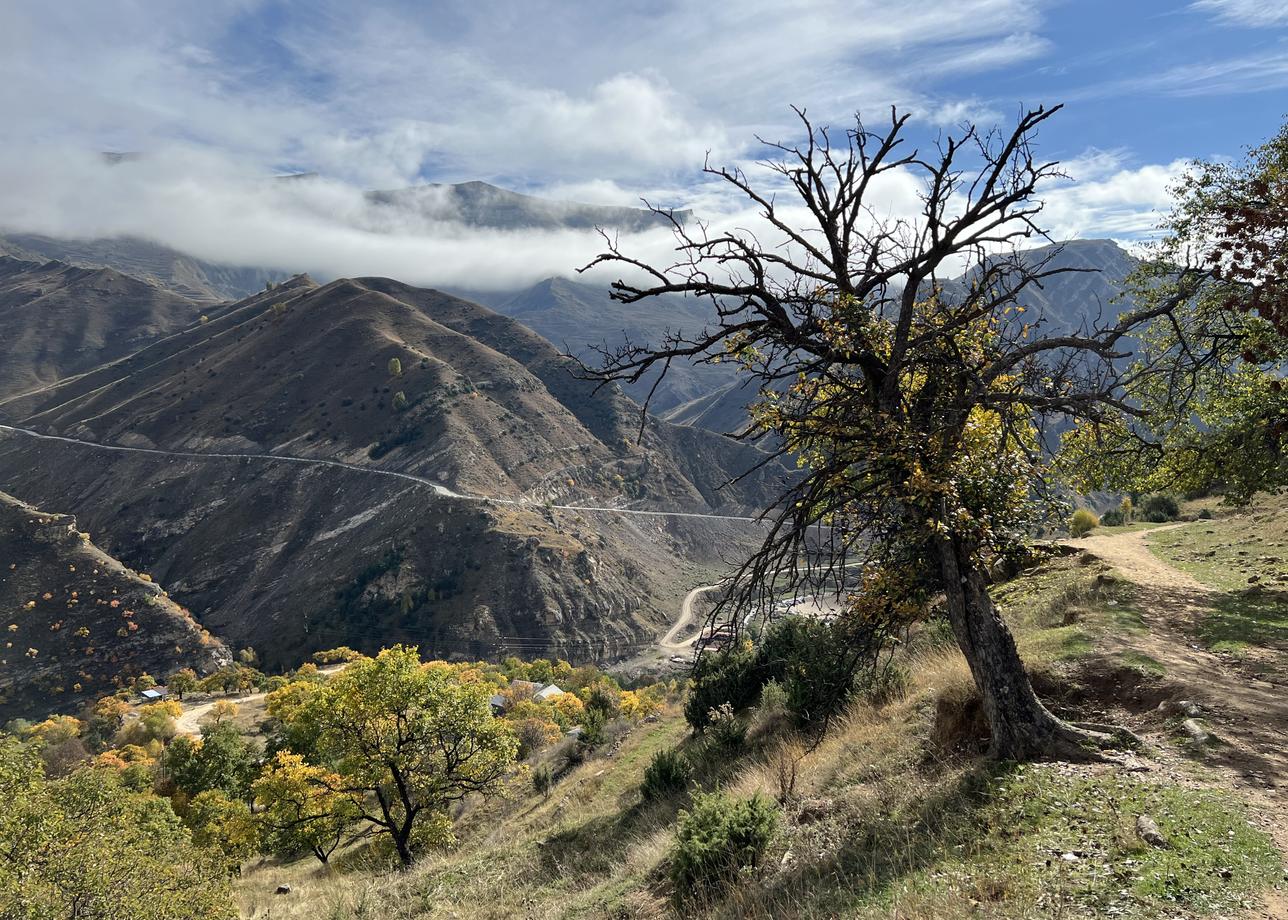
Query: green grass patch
{"type": "Point", "coordinates": [1059, 610]}
{"type": "Point", "coordinates": [1226, 552]}
{"type": "Point", "coordinates": [1143, 663]}
{"type": "Point", "coordinates": [1038, 841]}
{"type": "Point", "coordinates": [1240, 620]}
{"type": "Point", "coordinates": [1060, 643]}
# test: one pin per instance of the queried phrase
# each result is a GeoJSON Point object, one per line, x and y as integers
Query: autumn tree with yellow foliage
{"type": "Point", "coordinates": [899, 362]}
{"type": "Point", "coordinates": [301, 808]}
{"type": "Point", "coordinates": [399, 741]}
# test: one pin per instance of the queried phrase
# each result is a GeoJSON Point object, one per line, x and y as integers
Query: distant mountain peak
{"type": "Point", "coordinates": [481, 204]}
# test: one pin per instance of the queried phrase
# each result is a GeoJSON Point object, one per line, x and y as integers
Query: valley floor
{"type": "Point", "coordinates": [894, 814]}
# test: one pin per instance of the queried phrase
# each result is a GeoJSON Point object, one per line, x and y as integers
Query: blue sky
{"type": "Point", "coordinates": [600, 102]}
{"type": "Point", "coordinates": [1160, 80]}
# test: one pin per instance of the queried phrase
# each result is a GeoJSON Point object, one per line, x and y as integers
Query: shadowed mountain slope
{"type": "Point", "coordinates": [196, 279]}
{"type": "Point", "coordinates": [77, 622]}
{"type": "Point", "coordinates": [583, 319]}
{"type": "Point", "coordinates": [57, 320]}
{"type": "Point", "coordinates": [290, 557]}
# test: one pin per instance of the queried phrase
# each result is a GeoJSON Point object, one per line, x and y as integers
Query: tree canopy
{"type": "Point", "coordinates": [85, 846]}
{"type": "Point", "coordinates": [900, 363]}
{"type": "Point", "coordinates": [400, 741]}
{"type": "Point", "coordinates": [1210, 373]}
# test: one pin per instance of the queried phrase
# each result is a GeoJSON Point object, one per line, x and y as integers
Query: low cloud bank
{"type": "Point", "coordinates": [203, 204]}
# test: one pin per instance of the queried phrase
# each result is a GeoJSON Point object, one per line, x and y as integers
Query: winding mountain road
{"type": "Point", "coordinates": [668, 642]}
{"type": "Point", "coordinates": [440, 490]}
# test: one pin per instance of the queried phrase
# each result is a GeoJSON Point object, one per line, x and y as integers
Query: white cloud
{"type": "Point", "coordinates": [1107, 198]}
{"type": "Point", "coordinates": [321, 226]}
{"type": "Point", "coordinates": [956, 112]}
{"type": "Point", "coordinates": [1253, 13]}
{"type": "Point", "coordinates": [557, 99]}
{"type": "Point", "coordinates": [376, 93]}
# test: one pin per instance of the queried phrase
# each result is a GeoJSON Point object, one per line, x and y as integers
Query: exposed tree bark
{"type": "Point", "coordinates": [1020, 726]}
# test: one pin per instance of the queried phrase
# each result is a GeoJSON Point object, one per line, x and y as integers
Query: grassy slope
{"type": "Point", "coordinates": [1245, 557]}
{"type": "Point", "coordinates": [1232, 548]}
{"type": "Point", "coordinates": [882, 823]}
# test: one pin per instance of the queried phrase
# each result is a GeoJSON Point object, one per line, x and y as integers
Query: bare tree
{"type": "Point", "coordinates": [898, 362]}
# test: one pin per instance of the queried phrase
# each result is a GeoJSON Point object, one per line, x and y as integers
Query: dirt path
{"type": "Point", "coordinates": [1248, 716]}
{"type": "Point", "coordinates": [190, 722]}
{"type": "Point", "coordinates": [669, 642]}
{"type": "Point", "coordinates": [1130, 554]}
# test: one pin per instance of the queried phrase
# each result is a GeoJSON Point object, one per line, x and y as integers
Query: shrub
{"type": "Point", "coordinates": [1112, 518]}
{"type": "Point", "coordinates": [731, 676]}
{"type": "Point", "coordinates": [812, 661]}
{"type": "Point", "coordinates": [815, 662]}
{"type": "Point", "coordinates": [772, 715]}
{"type": "Point", "coordinates": [1160, 508]}
{"type": "Point", "coordinates": [543, 780]}
{"type": "Point", "coordinates": [1205, 514]}
{"type": "Point", "coordinates": [725, 729]}
{"type": "Point", "coordinates": [720, 838]}
{"type": "Point", "coordinates": [592, 729]}
{"type": "Point", "coordinates": [667, 774]}
{"type": "Point", "coordinates": [773, 698]}
{"type": "Point", "coordinates": [1082, 523]}
{"type": "Point", "coordinates": [883, 684]}
{"type": "Point", "coordinates": [398, 439]}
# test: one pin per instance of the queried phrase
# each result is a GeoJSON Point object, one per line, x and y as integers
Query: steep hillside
{"type": "Point", "coordinates": [328, 516]}
{"type": "Point", "coordinates": [57, 320]}
{"type": "Point", "coordinates": [77, 621]}
{"type": "Point", "coordinates": [579, 318]}
{"type": "Point", "coordinates": [1090, 292]}
{"type": "Point", "coordinates": [486, 406]}
{"type": "Point", "coordinates": [723, 409]}
{"type": "Point", "coordinates": [196, 279]}
{"type": "Point", "coordinates": [894, 811]}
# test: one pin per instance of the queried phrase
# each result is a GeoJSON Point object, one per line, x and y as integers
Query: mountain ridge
{"type": "Point", "coordinates": [78, 622]}
{"type": "Point", "coordinates": [290, 559]}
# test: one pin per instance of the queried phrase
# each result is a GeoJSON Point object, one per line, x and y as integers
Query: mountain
{"type": "Point", "coordinates": [581, 318]}
{"type": "Point", "coordinates": [77, 622]}
{"type": "Point", "coordinates": [478, 204]}
{"type": "Point", "coordinates": [195, 279]}
{"type": "Point", "coordinates": [473, 204]}
{"type": "Point", "coordinates": [58, 320]}
{"type": "Point", "coordinates": [372, 531]}
{"type": "Point", "coordinates": [1089, 293]}
{"type": "Point", "coordinates": [723, 409]}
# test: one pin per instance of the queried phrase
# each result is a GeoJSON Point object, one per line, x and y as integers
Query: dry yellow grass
{"type": "Point", "coordinates": [878, 822]}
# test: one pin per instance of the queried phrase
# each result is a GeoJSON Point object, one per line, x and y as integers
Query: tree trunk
{"type": "Point", "coordinates": [1021, 727]}
{"type": "Point", "coordinates": [402, 837]}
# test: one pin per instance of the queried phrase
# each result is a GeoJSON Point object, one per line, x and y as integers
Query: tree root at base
{"type": "Point", "coordinates": [1080, 742]}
